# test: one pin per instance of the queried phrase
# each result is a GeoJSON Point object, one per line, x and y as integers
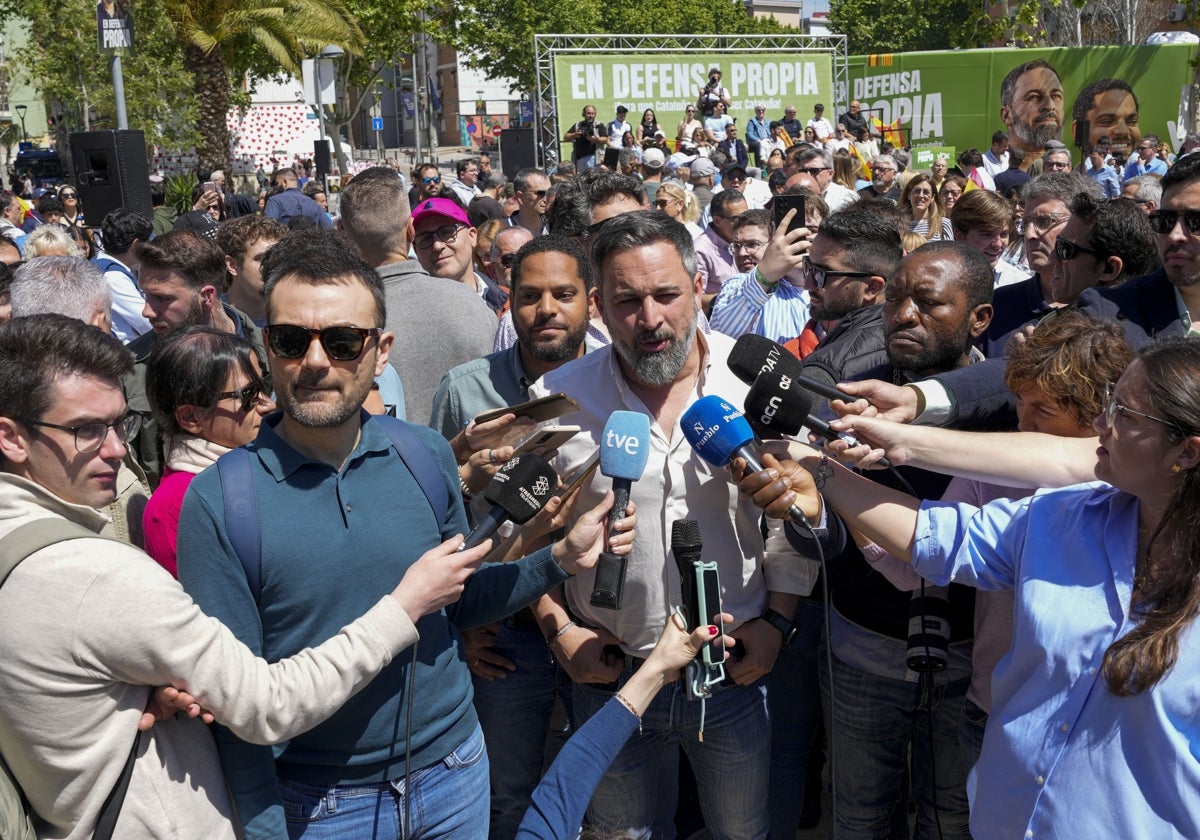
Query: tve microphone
{"type": "Point", "coordinates": [756, 354]}
{"type": "Point", "coordinates": [718, 432]}
{"type": "Point", "coordinates": [517, 492]}
{"type": "Point", "coordinates": [624, 450]}
{"type": "Point", "coordinates": [780, 403]}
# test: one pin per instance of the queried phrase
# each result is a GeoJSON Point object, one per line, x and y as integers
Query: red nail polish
{"type": "Point", "coordinates": [712, 629]}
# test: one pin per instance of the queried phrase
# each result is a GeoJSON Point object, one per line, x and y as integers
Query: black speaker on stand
{"type": "Point", "coordinates": [517, 151]}
{"type": "Point", "coordinates": [321, 159]}
{"type": "Point", "coordinates": [111, 172]}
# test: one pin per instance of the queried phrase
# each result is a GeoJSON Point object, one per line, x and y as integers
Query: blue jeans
{"type": "Point", "coordinates": [970, 733]}
{"type": "Point", "coordinates": [448, 799]}
{"type": "Point", "coordinates": [638, 794]}
{"type": "Point", "coordinates": [794, 701]}
{"type": "Point", "coordinates": [515, 715]}
{"type": "Point", "coordinates": [872, 723]}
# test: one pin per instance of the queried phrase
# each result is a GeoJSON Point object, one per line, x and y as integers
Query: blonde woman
{"type": "Point", "coordinates": [680, 205]}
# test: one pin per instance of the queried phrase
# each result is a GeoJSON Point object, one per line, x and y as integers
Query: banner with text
{"type": "Point", "coordinates": [953, 98]}
{"type": "Point", "coordinates": [668, 82]}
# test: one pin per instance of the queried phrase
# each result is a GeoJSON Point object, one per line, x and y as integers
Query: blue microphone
{"type": "Point", "coordinates": [624, 450]}
{"type": "Point", "coordinates": [719, 432]}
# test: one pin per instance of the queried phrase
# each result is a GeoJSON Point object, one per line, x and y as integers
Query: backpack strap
{"type": "Point", "coordinates": [241, 501]}
{"type": "Point", "coordinates": [32, 537]}
{"type": "Point", "coordinates": [241, 514]}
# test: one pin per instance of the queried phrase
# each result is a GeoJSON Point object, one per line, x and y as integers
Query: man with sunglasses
{"type": "Point", "coordinates": [428, 183]}
{"type": "Point", "coordinates": [339, 514]}
{"type": "Point", "coordinates": [1145, 161]}
{"type": "Point", "coordinates": [1103, 244]}
{"type": "Point", "coordinates": [532, 188]}
{"type": "Point", "coordinates": [819, 164]}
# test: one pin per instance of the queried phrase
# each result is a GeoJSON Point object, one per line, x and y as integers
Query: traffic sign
{"type": "Point", "coordinates": [496, 130]}
{"type": "Point", "coordinates": [377, 123]}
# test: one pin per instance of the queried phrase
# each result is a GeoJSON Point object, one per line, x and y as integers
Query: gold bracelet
{"type": "Point", "coordinates": [621, 699]}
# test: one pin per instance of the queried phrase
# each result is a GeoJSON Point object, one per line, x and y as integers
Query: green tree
{"type": "Point", "coordinates": [894, 26]}
{"type": "Point", "coordinates": [226, 39]}
{"type": "Point", "coordinates": [497, 35]}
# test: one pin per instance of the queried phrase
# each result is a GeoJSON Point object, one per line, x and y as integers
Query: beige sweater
{"type": "Point", "coordinates": [88, 626]}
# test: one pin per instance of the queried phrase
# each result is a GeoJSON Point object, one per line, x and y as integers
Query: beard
{"type": "Point", "coordinates": [940, 356]}
{"type": "Point", "coordinates": [1036, 136]}
{"type": "Point", "coordinates": [323, 414]}
{"type": "Point", "coordinates": [559, 350]}
{"type": "Point", "coordinates": [661, 368]}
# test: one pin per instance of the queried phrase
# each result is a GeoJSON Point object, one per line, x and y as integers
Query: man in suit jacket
{"type": "Point", "coordinates": [734, 148]}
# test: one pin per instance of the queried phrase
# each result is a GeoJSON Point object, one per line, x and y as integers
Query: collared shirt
{"type": "Point", "coordinates": [714, 261]}
{"type": "Point", "coordinates": [676, 484]}
{"type": "Point", "coordinates": [1185, 317]}
{"type": "Point", "coordinates": [128, 322]}
{"type": "Point", "coordinates": [291, 202]}
{"type": "Point", "coordinates": [1135, 168]}
{"type": "Point", "coordinates": [744, 306]}
{"type": "Point", "coordinates": [1063, 756]}
{"type": "Point", "coordinates": [480, 385]}
{"type": "Point", "coordinates": [1106, 177]}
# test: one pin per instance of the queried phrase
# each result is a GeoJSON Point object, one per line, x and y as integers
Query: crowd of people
{"type": "Point", "coordinates": [241, 451]}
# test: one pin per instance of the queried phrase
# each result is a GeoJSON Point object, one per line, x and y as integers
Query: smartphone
{"type": "Point", "coordinates": [541, 410]}
{"type": "Point", "coordinates": [781, 204]}
{"type": "Point", "coordinates": [581, 475]}
{"type": "Point", "coordinates": [708, 602]}
{"type": "Point", "coordinates": [210, 186]}
{"type": "Point", "coordinates": [546, 438]}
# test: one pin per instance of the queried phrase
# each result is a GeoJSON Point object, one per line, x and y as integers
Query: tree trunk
{"type": "Point", "coordinates": [211, 83]}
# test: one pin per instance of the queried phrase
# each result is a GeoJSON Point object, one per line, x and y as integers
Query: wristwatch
{"type": "Point", "coordinates": [784, 625]}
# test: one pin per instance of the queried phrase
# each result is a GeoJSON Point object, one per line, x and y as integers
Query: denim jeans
{"type": "Point", "coordinates": [794, 701]}
{"type": "Point", "coordinates": [639, 793]}
{"type": "Point", "coordinates": [515, 715]}
{"type": "Point", "coordinates": [448, 799]}
{"type": "Point", "coordinates": [970, 733]}
{"type": "Point", "coordinates": [872, 723]}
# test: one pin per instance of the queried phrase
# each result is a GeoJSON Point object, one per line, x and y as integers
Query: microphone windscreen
{"type": "Point", "coordinates": [522, 487]}
{"type": "Point", "coordinates": [779, 403]}
{"type": "Point", "coordinates": [685, 536]}
{"type": "Point", "coordinates": [715, 429]}
{"type": "Point", "coordinates": [625, 445]}
{"type": "Point", "coordinates": [754, 354]}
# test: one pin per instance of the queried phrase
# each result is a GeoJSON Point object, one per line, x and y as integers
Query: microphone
{"type": "Point", "coordinates": [624, 450]}
{"type": "Point", "coordinates": [753, 355]}
{"type": "Point", "coordinates": [780, 403]}
{"type": "Point", "coordinates": [701, 601]}
{"type": "Point", "coordinates": [517, 492]}
{"type": "Point", "coordinates": [719, 432]}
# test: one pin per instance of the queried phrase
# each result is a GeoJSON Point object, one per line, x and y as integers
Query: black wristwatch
{"type": "Point", "coordinates": [784, 625]}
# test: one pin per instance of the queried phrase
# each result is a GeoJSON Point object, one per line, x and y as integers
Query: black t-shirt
{"type": "Point", "coordinates": [584, 129]}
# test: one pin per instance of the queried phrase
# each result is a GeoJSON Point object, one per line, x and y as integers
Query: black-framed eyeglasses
{"type": "Point", "coordinates": [507, 260]}
{"type": "Point", "coordinates": [247, 397]}
{"type": "Point", "coordinates": [1112, 405]}
{"type": "Point", "coordinates": [818, 274]}
{"type": "Point", "coordinates": [446, 234]}
{"type": "Point", "coordinates": [341, 344]}
{"type": "Point", "coordinates": [428, 181]}
{"type": "Point", "coordinates": [89, 437]}
{"type": "Point", "coordinates": [1057, 166]}
{"type": "Point", "coordinates": [814, 171]}
{"type": "Point", "coordinates": [1065, 249]}
{"type": "Point", "coordinates": [1164, 221]}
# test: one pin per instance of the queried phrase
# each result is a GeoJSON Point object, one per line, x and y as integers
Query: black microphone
{"type": "Point", "coordinates": [779, 403]}
{"type": "Point", "coordinates": [701, 604]}
{"type": "Point", "coordinates": [755, 354]}
{"type": "Point", "coordinates": [517, 492]}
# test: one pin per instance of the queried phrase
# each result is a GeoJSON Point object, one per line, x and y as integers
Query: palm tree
{"type": "Point", "coordinates": [226, 38]}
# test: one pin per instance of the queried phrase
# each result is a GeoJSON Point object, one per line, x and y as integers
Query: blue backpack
{"type": "Point", "coordinates": [241, 503]}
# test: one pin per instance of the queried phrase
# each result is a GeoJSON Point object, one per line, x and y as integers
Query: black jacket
{"type": "Point", "coordinates": [856, 344]}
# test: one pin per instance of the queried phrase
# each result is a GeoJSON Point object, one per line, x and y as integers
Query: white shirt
{"type": "Point", "coordinates": [676, 484]}
{"type": "Point", "coordinates": [994, 165]}
{"type": "Point", "coordinates": [617, 130]}
{"type": "Point", "coordinates": [837, 196]}
{"type": "Point", "coordinates": [822, 126]}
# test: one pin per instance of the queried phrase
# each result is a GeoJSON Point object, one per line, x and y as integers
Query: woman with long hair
{"type": "Point", "coordinates": [647, 127]}
{"type": "Point", "coordinates": [208, 396]}
{"type": "Point", "coordinates": [922, 209]}
{"type": "Point", "coordinates": [847, 170]}
{"type": "Point", "coordinates": [72, 208]}
{"type": "Point", "coordinates": [952, 189]}
{"type": "Point", "coordinates": [1092, 731]}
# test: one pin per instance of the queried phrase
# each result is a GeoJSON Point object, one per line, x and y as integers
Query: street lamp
{"type": "Point", "coordinates": [21, 109]}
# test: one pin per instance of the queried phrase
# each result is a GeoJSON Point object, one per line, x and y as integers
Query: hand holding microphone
{"type": "Point", "coordinates": [517, 492]}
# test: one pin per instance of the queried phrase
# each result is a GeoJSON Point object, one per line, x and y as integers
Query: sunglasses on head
{"type": "Point", "coordinates": [341, 344]}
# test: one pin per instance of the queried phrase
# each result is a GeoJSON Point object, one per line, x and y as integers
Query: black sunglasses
{"type": "Point", "coordinates": [1164, 221]}
{"type": "Point", "coordinates": [341, 344]}
{"type": "Point", "coordinates": [248, 396]}
{"type": "Point", "coordinates": [507, 260]}
{"type": "Point", "coordinates": [1065, 249]}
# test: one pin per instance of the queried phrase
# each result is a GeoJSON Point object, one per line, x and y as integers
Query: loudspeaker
{"type": "Point", "coordinates": [111, 173]}
{"type": "Point", "coordinates": [517, 151]}
{"type": "Point", "coordinates": [321, 162]}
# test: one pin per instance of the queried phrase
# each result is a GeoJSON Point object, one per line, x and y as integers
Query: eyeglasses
{"type": "Point", "coordinates": [507, 260]}
{"type": "Point", "coordinates": [428, 181]}
{"type": "Point", "coordinates": [341, 344]}
{"type": "Point", "coordinates": [1057, 166]}
{"type": "Point", "coordinates": [818, 274]}
{"type": "Point", "coordinates": [537, 193]}
{"type": "Point", "coordinates": [1112, 405]}
{"type": "Point", "coordinates": [89, 437]}
{"type": "Point", "coordinates": [814, 171]}
{"type": "Point", "coordinates": [1064, 249]}
{"type": "Point", "coordinates": [1164, 221]}
{"type": "Point", "coordinates": [747, 247]}
{"type": "Point", "coordinates": [446, 234]}
{"type": "Point", "coordinates": [664, 203]}
{"type": "Point", "coordinates": [248, 395]}
{"type": "Point", "coordinates": [1144, 148]}
{"type": "Point", "coordinates": [1046, 221]}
